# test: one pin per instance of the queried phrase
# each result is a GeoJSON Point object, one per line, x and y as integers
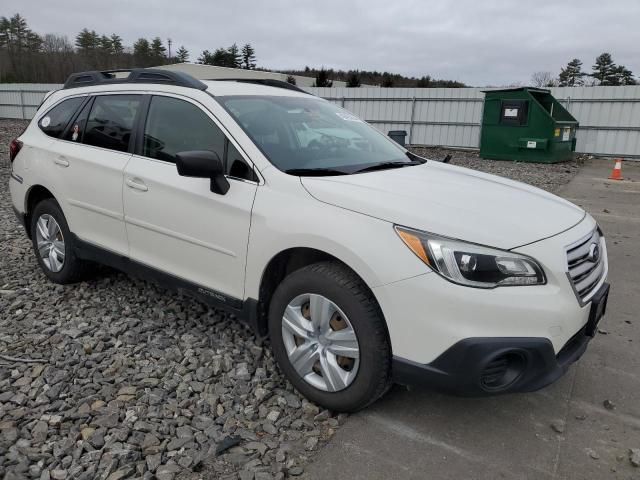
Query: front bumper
{"type": "Point", "coordinates": [426, 314]}
{"type": "Point", "coordinates": [485, 366]}
{"type": "Point", "coordinates": [470, 367]}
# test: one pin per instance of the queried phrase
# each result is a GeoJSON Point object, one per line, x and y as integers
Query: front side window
{"type": "Point", "coordinates": [175, 126]}
{"type": "Point", "coordinates": [56, 119]}
{"type": "Point", "coordinates": [307, 133]}
{"type": "Point", "coordinates": [111, 121]}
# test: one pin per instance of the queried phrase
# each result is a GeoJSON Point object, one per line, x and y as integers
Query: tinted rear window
{"type": "Point", "coordinates": [75, 132]}
{"type": "Point", "coordinates": [56, 119]}
{"type": "Point", "coordinates": [111, 121]}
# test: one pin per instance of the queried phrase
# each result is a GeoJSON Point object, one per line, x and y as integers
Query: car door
{"type": "Point", "coordinates": [177, 224]}
{"type": "Point", "coordinates": [89, 163]}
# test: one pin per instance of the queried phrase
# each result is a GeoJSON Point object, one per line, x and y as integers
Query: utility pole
{"type": "Point", "coordinates": [169, 43]}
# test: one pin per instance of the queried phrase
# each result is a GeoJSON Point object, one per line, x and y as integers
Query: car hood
{"type": "Point", "coordinates": [451, 201]}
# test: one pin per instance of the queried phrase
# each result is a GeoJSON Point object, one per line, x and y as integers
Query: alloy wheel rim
{"type": "Point", "coordinates": [320, 342]}
{"type": "Point", "coordinates": [50, 242]}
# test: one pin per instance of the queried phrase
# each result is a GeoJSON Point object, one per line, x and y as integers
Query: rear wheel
{"type": "Point", "coordinates": [53, 243]}
{"type": "Point", "coordinates": [329, 337]}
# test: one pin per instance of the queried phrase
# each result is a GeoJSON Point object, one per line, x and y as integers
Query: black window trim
{"type": "Point", "coordinates": [134, 130]}
{"type": "Point", "coordinates": [91, 98]}
{"type": "Point", "coordinates": [71, 118]}
{"type": "Point", "coordinates": [142, 122]}
{"type": "Point", "coordinates": [74, 119]}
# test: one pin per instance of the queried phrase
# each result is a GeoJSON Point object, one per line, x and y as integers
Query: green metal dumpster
{"type": "Point", "coordinates": [526, 124]}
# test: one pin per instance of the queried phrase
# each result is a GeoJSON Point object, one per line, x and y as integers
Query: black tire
{"type": "Point", "coordinates": [73, 269]}
{"type": "Point", "coordinates": [344, 288]}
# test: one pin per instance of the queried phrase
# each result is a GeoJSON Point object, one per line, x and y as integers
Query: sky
{"type": "Point", "coordinates": [478, 42]}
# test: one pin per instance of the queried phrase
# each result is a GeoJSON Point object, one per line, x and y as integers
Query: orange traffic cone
{"type": "Point", "coordinates": [616, 174]}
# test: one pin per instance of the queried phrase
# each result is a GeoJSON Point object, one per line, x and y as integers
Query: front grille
{"type": "Point", "coordinates": [586, 273]}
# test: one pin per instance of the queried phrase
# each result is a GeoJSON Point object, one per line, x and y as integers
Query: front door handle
{"type": "Point", "coordinates": [63, 162]}
{"type": "Point", "coordinates": [136, 184]}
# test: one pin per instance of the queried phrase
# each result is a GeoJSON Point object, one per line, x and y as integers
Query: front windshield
{"type": "Point", "coordinates": [307, 133]}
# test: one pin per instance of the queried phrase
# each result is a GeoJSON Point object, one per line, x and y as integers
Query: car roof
{"type": "Point", "coordinates": [150, 80]}
{"type": "Point", "coordinates": [234, 87]}
{"type": "Point", "coordinates": [214, 88]}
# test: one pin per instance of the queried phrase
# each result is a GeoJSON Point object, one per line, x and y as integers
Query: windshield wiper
{"type": "Point", "coordinates": [315, 172]}
{"type": "Point", "coordinates": [388, 165]}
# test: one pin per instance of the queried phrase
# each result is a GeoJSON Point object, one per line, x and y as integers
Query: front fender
{"type": "Point", "coordinates": [368, 245]}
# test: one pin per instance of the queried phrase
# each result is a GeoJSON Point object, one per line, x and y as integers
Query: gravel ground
{"type": "Point", "coordinates": [117, 378]}
{"type": "Point", "coordinates": [548, 177]}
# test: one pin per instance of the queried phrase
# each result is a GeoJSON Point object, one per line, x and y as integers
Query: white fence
{"type": "Point", "coordinates": [21, 100]}
{"type": "Point", "coordinates": [609, 116]}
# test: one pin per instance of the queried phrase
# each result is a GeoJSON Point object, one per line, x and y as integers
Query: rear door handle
{"type": "Point", "coordinates": [136, 184]}
{"type": "Point", "coordinates": [63, 162]}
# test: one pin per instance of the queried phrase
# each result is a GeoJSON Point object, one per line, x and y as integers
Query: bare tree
{"type": "Point", "coordinates": [544, 79]}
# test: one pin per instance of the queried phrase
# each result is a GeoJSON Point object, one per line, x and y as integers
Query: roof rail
{"type": "Point", "coordinates": [269, 82]}
{"type": "Point", "coordinates": [136, 75]}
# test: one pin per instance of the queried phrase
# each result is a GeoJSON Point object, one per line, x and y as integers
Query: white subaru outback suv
{"type": "Point", "coordinates": [362, 262]}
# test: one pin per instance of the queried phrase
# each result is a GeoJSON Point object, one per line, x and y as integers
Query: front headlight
{"type": "Point", "coordinates": [469, 264]}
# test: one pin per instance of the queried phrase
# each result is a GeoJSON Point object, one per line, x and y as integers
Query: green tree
{"type": "Point", "coordinates": [220, 58]}
{"type": "Point", "coordinates": [572, 75]}
{"type": "Point", "coordinates": [14, 32]}
{"type": "Point", "coordinates": [87, 41]}
{"type": "Point", "coordinates": [353, 80]}
{"type": "Point", "coordinates": [248, 57]}
{"type": "Point", "coordinates": [424, 82]}
{"type": "Point", "coordinates": [623, 76]}
{"type": "Point", "coordinates": [182, 55]}
{"type": "Point", "coordinates": [206, 58]}
{"type": "Point", "coordinates": [387, 80]}
{"type": "Point", "coordinates": [322, 78]}
{"type": "Point", "coordinates": [4, 32]}
{"type": "Point", "coordinates": [116, 44]}
{"type": "Point", "coordinates": [105, 45]}
{"type": "Point", "coordinates": [234, 57]}
{"type": "Point", "coordinates": [142, 52]}
{"type": "Point", "coordinates": [604, 70]}
{"type": "Point", "coordinates": [158, 50]}
{"type": "Point", "coordinates": [291, 79]}
{"type": "Point", "coordinates": [33, 42]}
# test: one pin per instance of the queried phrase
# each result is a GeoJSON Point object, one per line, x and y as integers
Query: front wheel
{"type": "Point", "coordinates": [329, 337]}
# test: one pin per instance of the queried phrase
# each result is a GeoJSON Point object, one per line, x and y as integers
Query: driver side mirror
{"type": "Point", "coordinates": [203, 164]}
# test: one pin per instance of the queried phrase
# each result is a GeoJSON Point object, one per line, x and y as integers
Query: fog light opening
{"type": "Point", "coordinates": [502, 371]}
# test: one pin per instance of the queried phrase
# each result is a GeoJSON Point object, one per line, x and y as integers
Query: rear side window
{"type": "Point", "coordinates": [175, 126]}
{"type": "Point", "coordinates": [75, 132]}
{"type": "Point", "coordinates": [56, 119]}
{"type": "Point", "coordinates": [110, 121]}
